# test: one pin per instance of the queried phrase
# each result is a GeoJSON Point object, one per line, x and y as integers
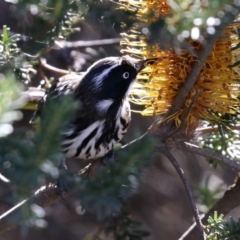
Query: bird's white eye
{"type": "Point", "coordinates": [126, 75]}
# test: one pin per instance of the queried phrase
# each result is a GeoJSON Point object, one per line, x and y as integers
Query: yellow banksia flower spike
{"type": "Point", "coordinates": [218, 84]}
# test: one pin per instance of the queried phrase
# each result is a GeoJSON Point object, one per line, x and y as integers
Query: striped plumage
{"type": "Point", "coordinates": [104, 113]}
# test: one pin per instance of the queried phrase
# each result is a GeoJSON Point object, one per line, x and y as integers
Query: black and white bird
{"type": "Point", "coordinates": [105, 114]}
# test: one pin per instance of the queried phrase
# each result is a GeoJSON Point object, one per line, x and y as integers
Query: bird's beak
{"type": "Point", "coordinates": [140, 65]}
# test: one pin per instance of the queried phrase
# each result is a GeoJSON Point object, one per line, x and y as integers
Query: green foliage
{"type": "Point", "coordinates": [189, 14]}
{"type": "Point", "coordinates": [62, 15]}
{"type": "Point", "coordinates": [224, 141]}
{"type": "Point", "coordinates": [220, 229]}
{"type": "Point", "coordinates": [56, 19]}
{"type": "Point", "coordinates": [109, 13]}
{"type": "Point", "coordinates": [12, 58]}
{"type": "Point", "coordinates": [122, 227]}
{"type": "Point", "coordinates": [59, 17]}
{"type": "Point", "coordinates": [8, 47]}
{"type": "Point", "coordinates": [117, 181]}
{"type": "Point", "coordinates": [28, 155]}
{"type": "Point", "coordinates": [206, 196]}
{"type": "Point", "coordinates": [119, 227]}
{"type": "Point", "coordinates": [29, 158]}
{"type": "Point", "coordinates": [9, 102]}
{"type": "Point", "coordinates": [188, 19]}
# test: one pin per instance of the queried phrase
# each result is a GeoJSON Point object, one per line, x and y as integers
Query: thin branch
{"type": "Point", "coordinates": [180, 172]}
{"type": "Point", "coordinates": [91, 43]}
{"type": "Point", "coordinates": [135, 140]}
{"type": "Point", "coordinates": [48, 84]}
{"type": "Point", "coordinates": [43, 63]}
{"type": "Point", "coordinates": [76, 44]}
{"type": "Point", "coordinates": [208, 153]}
{"type": "Point", "coordinates": [228, 202]}
{"type": "Point", "coordinates": [206, 130]}
{"type": "Point", "coordinates": [198, 65]}
{"type": "Point", "coordinates": [142, 136]}
{"type": "Point", "coordinates": [190, 230]}
{"type": "Point", "coordinates": [43, 197]}
{"type": "Point", "coordinates": [4, 179]}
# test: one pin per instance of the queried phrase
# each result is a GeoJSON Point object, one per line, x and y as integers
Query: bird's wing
{"type": "Point", "coordinates": [63, 86]}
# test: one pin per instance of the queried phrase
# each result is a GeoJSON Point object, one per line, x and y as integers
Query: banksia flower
{"type": "Point", "coordinates": [216, 89]}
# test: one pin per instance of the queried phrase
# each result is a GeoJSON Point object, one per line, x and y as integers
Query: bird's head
{"type": "Point", "coordinates": [112, 77]}
{"type": "Point", "coordinates": [108, 80]}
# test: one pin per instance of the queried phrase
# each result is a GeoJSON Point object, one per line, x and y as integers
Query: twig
{"type": "Point", "coordinates": [48, 84]}
{"type": "Point", "coordinates": [43, 197]}
{"type": "Point", "coordinates": [135, 140]}
{"type": "Point", "coordinates": [190, 230]}
{"type": "Point", "coordinates": [44, 64]}
{"type": "Point", "coordinates": [91, 43]}
{"type": "Point", "coordinates": [4, 179]}
{"type": "Point", "coordinates": [198, 65]}
{"type": "Point", "coordinates": [142, 136]}
{"type": "Point", "coordinates": [208, 153]}
{"type": "Point", "coordinates": [206, 130]}
{"type": "Point", "coordinates": [232, 195]}
{"type": "Point", "coordinates": [180, 172]}
{"type": "Point", "coordinates": [76, 44]}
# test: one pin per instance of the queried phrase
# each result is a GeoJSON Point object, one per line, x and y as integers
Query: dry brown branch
{"type": "Point", "coordinates": [43, 197]}
{"type": "Point", "coordinates": [43, 63]}
{"type": "Point", "coordinates": [180, 172]}
{"type": "Point", "coordinates": [206, 130]}
{"type": "Point", "coordinates": [210, 154]}
{"type": "Point", "coordinates": [44, 77]}
{"type": "Point", "coordinates": [90, 43]}
{"type": "Point", "coordinates": [229, 201]}
{"type": "Point", "coordinates": [76, 44]}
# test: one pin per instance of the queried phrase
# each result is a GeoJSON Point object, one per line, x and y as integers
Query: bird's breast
{"type": "Point", "coordinates": [99, 137]}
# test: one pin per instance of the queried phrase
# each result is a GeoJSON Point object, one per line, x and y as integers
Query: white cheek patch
{"type": "Point", "coordinates": [104, 105]}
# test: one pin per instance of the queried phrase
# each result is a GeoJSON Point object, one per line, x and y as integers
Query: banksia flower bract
{"type": "Point", "coordinates": [216, 89]}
